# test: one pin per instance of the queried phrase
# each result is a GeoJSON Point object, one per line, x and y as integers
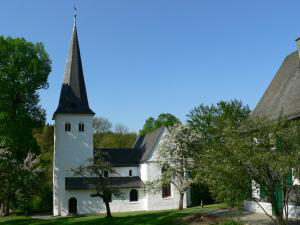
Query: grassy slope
{"type": "Point", "coordinates": [134, 218]}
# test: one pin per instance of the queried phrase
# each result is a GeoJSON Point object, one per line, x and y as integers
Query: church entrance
{"type": "Point", "coordinates": [72, 206]}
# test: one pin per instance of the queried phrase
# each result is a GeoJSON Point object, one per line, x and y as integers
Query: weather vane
{"type": "Point", "coordinates": [75, 13]}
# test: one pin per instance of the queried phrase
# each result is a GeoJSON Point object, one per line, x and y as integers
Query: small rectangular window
{"type": "Point", "coordinates": [67, 127]}
{"type": "Point", "coordinates": [166, 191]}
{"type": "Point", "coordinates": [81, 127]}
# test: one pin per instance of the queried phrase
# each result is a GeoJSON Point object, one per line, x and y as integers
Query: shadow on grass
{"type": "Point", "coordinates": [157, 218]}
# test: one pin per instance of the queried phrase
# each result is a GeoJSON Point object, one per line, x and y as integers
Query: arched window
{"type": "Point", "coordinates": [133, 196]}
{"type": "Point", "coordinates": [166, 189]}
{"type": "Point", "coordinates": [130, 173]}
{"type": "Point", "coordinates": [105, 173]}
{"type": "Point", "coordinates": [81, 127]}
{"type": "Point", "coordinates": [67, 126]}
{"type": "Point", "coordinates": [72, 206]}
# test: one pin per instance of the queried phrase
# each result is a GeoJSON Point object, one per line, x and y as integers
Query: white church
{"type": "Point", "coordinates": [73, 145]}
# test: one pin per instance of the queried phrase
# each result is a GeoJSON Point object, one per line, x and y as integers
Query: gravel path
{"type": "Point", "coordinates": [246, 217]}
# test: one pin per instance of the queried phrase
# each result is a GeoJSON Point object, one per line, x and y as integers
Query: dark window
{"type": "Point", "coordinates": [105, 173]}
{"type": "Point", "coordinates": [81, 127]}
{"type": "Point", "coordinates": [166, 189]}
{"type": "Point", "coordinates": [133, 196]}
{"type": "Point", "coordinates": [67, 127]}
{"type": "Point", "coordinates": [130, 173]}
{"type": "Point", "coordinates": [72, 206]}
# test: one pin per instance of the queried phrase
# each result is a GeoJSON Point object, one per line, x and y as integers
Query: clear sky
{"type": "Point", "coordinates": [146, 57]}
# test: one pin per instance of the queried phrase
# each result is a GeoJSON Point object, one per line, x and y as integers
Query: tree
{"type": "Point", "coordinates": [240, 155]}
{"type": "Point", "coordinates": [210, 122]}
{"type": "Point", "coordinates": [101, 125]}
{"type": "Point", "coordinates": [174, 155]}
{"type": "Point", "coordinates": [28, 175]}
{"type": "Point", "coordinates": [120, 137]}
{"type": "Point", "coordinates": [44, 137]}
{"type": "Point", "coordinates": [24, 70]}
{"type": "Point", "coordinates": [164, 119]}
{"type": "Point", "coordinates": [94, 170]}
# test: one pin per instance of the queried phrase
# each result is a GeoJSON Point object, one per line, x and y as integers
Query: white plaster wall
{"type": "Point", "coordinates": [294, 211]}
{"type": "Point", "coordinates": [71, 149]}
{"type": "Point", "coordinates": [155, 200]}
{"type": "Point", "coordinates": [124, 205]}
{"type": "Point", "coordinates": [150, 171]}
{"type": "Point", "coordinates": [91, 205]}
{"type": "Point", "coordinates": [124, 171]}
{"type": "Point", "coordinates": [144, 177]}
{"type": "Point", "coordinates": [254, 207]}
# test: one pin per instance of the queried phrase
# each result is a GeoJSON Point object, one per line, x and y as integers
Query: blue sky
{"type": "Point", "coordinates": [146, 57]}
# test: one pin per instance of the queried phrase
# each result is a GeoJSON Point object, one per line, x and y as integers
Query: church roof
{"type": "Point", "coordinates": [87, 183]}
{"type": "Point", "coordinates": [140, 152]}
{"type": "Point", "coordinates": [282, 97]}
{"type": "Point", "coordinates": [73, 97]}
{"type": "Point", "coordinates": [146, 143]}
{"type": "Point", "coordinates": [123, 156]}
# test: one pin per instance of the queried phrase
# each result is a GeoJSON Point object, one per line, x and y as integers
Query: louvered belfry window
{"type": "Point", "coordinates": [81, 127]}
{"type": "Point", "coordinates": [67, 126]}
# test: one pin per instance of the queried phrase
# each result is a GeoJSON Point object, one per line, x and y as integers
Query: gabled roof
{"type": "Point", "coordinates": [147, 142]}
{"type": "Point", "coordinates": [282, 98]}
{"type": "Point", "coordinates": [87, 183]}
{"type": "Point", "coordinates": [123, 156]}
{"type": "Point", "coordinates": [140, 152]}
{"type": "Point", "coordinates": [73, 97]}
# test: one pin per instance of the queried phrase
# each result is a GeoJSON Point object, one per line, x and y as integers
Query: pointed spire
{"type": "Point", "coordinates": [73, 97]}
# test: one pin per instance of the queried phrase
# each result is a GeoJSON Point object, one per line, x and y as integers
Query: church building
{"type": "Point", "coordinates": [73, 145]}
{"type": "Point", "coordinates": [281, 99]}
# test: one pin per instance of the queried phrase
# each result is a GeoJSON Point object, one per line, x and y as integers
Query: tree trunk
{"type": "Point", "coordinates": [108, 213]}
{"type": "Point", "coordinates": [181, 201]}
{"type": "Point", "coordinates": [278, 213]}
{"type": "Point", "coordinates": [4, 208]}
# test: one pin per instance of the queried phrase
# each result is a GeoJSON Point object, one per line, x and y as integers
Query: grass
{"type": "Point", "coordinates": [167, 217]}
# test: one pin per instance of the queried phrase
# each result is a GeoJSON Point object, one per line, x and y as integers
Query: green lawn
{"type": "Point", "coordinates": [167, 217]}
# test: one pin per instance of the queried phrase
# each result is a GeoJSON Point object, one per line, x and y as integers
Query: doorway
{"type": "Point", "coordinates": [72, 206]}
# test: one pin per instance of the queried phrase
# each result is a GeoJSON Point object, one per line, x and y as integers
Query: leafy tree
{"type": "Point", "coordinates": [27, 173]}
{"type": "Point", "coordinates": [118, 137]}
{"type": "Point", "coordinates": [164, 119]}
{"type": "Point", "coordinates": [44, 137]}
{"type": "Point", "coordinates": [24, 70]}
{"type": "Point", "coordinates": [94, 170]}
{"type": "Point", "coordinates": [241, 155]}
{"type": "Point", "coordinates": [101, 125]}
{"type": "Point", "coordinates": [175, 156]}
{"type": "Point", "coordinates": [210, 122]}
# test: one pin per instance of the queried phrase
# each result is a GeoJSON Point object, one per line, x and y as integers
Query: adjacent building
{"type": "Point", "coordinates": [281, 99]}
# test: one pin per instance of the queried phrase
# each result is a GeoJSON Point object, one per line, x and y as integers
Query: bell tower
{"type": "Point", "coordinates": [73, 135]}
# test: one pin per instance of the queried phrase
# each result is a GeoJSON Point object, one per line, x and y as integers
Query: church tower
{"type": "Point", "coordinates": [73, 136]}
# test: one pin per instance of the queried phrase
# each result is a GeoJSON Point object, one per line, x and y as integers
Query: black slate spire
{"type": "Point", "coordinates": [73, 97]}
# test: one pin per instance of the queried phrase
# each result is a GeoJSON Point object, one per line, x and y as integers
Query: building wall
{"type": "Point", "coordinates": [91, 205]}
{"type": "Point", "coordinates": [71, 149]}
{"type": "Point", "coordinates": [155, 201]}
{"type": "Point", "coordinates": [124, 171]}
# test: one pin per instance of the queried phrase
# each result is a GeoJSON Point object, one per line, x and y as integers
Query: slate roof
{"type": "Point", "coordinates": [73, 97]}
{"type": "Point", "coordinates": [84, 183]}
{"type": "Point", "coordinates": [282, 97]}
{"type": "Point", "coordinates": [123, 157]}
{"type": "Point", "coordinates": [140, 152]}
{"type": "Point", "coordinates": [147, 142]}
